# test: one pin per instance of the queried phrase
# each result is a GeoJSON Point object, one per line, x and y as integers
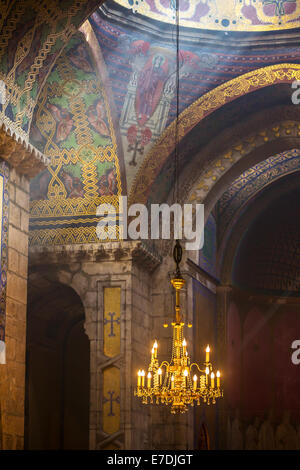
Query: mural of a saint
{"type": "Point", "coordinates": [150, 86]}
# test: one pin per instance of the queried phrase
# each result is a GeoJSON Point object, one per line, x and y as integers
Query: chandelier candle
{"type": "Point", "coordinates": [207, 354]}
{"type": "Point", "coordinates": [155, 346]}
{"type": "Point", "coordinates": [173, 382]}
{"type": "Point", "coordinates": [195, 379]}
{"type": "Point", "coordinates": [218, 378]}
{"type": "Point", "coordinates": [212, 376]}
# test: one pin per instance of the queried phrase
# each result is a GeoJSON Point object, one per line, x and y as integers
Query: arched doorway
{"type": "Point", "coordinates": [57, 369]}
{"type": "Point", "coordinates": [262, 264]}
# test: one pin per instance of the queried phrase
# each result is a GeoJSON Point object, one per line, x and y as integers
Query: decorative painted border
{"type": "Point", "coordinates": [230, 18]}
{"type": "Point", "coordinates": [61, 220]}
{"type": "Point", "coordinates": [4, 173]}
{"type": "Point", "coordinates": [250, 183]}
{"type": "Point", "coordinates": [194, 114]}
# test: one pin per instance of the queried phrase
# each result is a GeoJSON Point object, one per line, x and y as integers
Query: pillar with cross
{"type": "Point", "coordinates": [111, 399]}
{"type": "Point", "coordinates": [112, 320]}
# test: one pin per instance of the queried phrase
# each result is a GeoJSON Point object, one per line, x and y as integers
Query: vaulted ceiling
{"type": "Point", "coordinates": [100, 102]}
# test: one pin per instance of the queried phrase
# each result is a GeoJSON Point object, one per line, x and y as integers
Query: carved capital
{"type": "Point", "coordinates": [134, 251]}
{"type": "Point", "coordinates": [20, 155]}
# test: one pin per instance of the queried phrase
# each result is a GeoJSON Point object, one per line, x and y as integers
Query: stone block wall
{"type": "Point", "coordinates": [88, 270]}
{"type": "Point", "coordinates": [12, 374]}
{"type": "Point", "coordinates": [147, 301]}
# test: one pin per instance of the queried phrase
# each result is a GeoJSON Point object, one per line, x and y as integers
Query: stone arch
{"type": "Point", "coordinates": [198, 111]}
{"type": "Point", "coordinates": [240, 153]}
{"type": "Point", "coordinates": [236, 201]}
{"type": "Point", "coordinates": [229, 248]}
{"type": "Point", "coordinates": [57, 367]}
{"type": "Point", "coordinates": [75, 280]}
{"type": "Point", "coordinates": [257, 138]}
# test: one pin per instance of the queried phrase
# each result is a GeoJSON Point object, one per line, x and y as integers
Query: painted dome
{"type": "Point", "coordinates": [220, 15]}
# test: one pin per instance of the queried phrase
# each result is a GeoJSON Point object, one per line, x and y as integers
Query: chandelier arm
{"type": "Point", "coordinates": [195, 364]}
{"type": "Point", "coordinates": [164, 363]}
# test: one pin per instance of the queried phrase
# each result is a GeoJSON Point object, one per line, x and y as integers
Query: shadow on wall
{"type": "Point", "coordinates": [263, 434]}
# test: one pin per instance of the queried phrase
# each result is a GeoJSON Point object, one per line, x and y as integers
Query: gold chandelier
{"type": "Point", "coordinates": [180, 382]}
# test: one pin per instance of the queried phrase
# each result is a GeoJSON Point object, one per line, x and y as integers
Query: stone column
{"type": "Point", "coordinates": [90, 269]}
{"type": "Point", "coordinates": [24, 162]}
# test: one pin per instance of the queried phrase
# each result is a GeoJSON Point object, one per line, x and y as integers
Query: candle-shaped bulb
{"type": "Point", "coordinates": [206, 377]}
{"type": "Point", "coordinates": [184, 346]}
{"type": "Point", "coordinates": [139, 378]}
{"type": "Point", "coordinates": [218, 378]}
{"type": "Point", "coordinates": [155, 346]}
{"type": "Point", "coordinates": [186, 373]}
{"type": "Point", "coordinates": [212, 376]}
{"type": "Point", "coordinates": [207, 350]}
{"type": "Point", "coordinates": [159, 376]}
{"type": "Point", "coordinates": [149, 377]}
{"type": "Point", "coordinates": [195, 379]}
{"type": "Point", "coordinates": [172, 381]}
{"type": "Point", "coordinates": [143, 373]}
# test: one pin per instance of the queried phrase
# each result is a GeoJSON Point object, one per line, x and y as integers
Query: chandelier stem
{"type": "Point", "coordinates": [178, 284]}
{"type": "Point", "coordinates": [178, 316]}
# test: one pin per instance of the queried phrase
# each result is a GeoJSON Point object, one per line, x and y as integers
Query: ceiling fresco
{"type": "Point", "coordinates": [220, 15]}
{"type": "Point", "coordinates": [32, 37]}
{"type": "Point", "coordinates": [73, 126]}
{"type": "Point", "coordinates": [67, 115]}
{"type": "Point", "coordinates": [141, 68]}
{"type": "Point", "coordinates": [209, 130]}
{"type": "Point", "coordinates": [34, 34]}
